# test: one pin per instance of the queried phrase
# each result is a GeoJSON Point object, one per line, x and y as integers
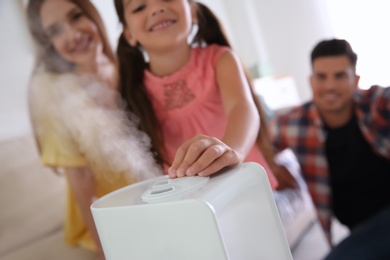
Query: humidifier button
{"type": "Point", "coordinates": [166, 189]}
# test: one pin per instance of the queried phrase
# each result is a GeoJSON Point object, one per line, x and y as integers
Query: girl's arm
{"type": "Point", "coordinates": [204, 155]}
{"type": "Point", "coordinates": [243, 119]}
{"type": "Point", "coordinates": [82, 184]}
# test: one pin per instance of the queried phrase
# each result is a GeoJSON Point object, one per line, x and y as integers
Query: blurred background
{"type": "Point", "coordinates": [273, 38]}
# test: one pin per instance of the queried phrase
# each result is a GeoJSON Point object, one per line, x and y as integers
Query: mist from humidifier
{"type": "Point", "coordinates": [95, 116]}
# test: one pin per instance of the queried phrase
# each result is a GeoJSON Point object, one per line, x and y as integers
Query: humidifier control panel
{"type": "Point", "coordinates": [166, 189]}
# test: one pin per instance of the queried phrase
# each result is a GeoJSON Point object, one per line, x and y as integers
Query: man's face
{"type": "Point", "coordinates": [333, 82]}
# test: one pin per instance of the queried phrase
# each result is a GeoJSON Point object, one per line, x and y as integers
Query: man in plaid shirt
{"type": "Point", "coordinates": [342, 141]}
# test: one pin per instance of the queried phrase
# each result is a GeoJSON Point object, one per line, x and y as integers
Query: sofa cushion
{"type": "Point", "coordinates": [295, 205]}
{"type": "Point", "coordinates": [32, 198]}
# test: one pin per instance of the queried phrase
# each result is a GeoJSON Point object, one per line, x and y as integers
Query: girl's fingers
{"type": "Point", "coordinates": [229, 158]}
{"type": "Point", "coordinates": [179, 156]}
{"type": "Point", "coordinates": [177, 168]}
{"type": "Point", "coordinates": [195, 151]}
{"type": "Point", "coordinates": [210, 154]}
{"type": "Point", "coordinates": [202, 155]}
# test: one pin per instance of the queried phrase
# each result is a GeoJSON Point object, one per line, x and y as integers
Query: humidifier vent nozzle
{"type": "Point", "coordinates": [166, 189]}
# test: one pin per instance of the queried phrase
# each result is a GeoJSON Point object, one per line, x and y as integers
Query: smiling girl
{"type": "Point", "coordinates": [194, 100]}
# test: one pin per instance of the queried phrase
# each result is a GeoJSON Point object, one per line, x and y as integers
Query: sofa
{"type": "Point", "coordinates": [32, 200]}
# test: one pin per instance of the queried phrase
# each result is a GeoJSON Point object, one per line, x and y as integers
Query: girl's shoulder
{"type": "Point", "coordinates": [210, 53]}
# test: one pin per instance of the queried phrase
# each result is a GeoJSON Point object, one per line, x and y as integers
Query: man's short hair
{"type": "Point", "coordinates": [334, 47]}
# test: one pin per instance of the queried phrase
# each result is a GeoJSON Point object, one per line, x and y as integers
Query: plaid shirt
{"type": "Point", "coordinates": [301, 129]}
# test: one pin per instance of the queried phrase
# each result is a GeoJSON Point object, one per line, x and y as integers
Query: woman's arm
{"type": "Point", "coordinates": [204, 155]}
{"type": "Point", "coordinates": [82, 185]}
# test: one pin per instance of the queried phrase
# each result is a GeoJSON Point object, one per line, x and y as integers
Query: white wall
{"type": "Point", "coordinates": [16, 62]}
{"type": "Point", "coordinates": [107, 10]}
{"type": "Point", "coordinates": [284, 34]}
{"type": "Point", "coordinates": [366, 29]}
{"type": "Point", "coordinates": [247, 35]}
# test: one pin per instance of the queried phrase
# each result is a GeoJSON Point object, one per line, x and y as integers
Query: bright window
{"type": "Point", "coordinates": [365, 24]}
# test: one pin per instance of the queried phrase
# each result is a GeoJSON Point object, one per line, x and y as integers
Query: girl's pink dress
{"type": "Point", "coordinates": [188, 103]}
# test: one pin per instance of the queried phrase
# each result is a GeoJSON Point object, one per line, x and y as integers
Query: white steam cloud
{"type": "Point", "coordinates": [96, 120]}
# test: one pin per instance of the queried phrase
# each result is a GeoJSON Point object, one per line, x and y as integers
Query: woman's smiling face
{"type": "Point", "coordinates": [74, 36]}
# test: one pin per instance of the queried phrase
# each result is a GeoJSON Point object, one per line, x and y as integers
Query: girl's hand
{"type": "Point", "coordinates": [202, 155]}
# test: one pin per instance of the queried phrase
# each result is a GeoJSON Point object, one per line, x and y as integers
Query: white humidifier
{"type": "Point", "coordinates": [231, 215]}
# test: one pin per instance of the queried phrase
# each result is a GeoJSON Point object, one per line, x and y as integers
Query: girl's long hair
{"type": "Point", "coordinates": [131, 85]}
{"type": "Point", "coordinates": [132, 65]}
{"type": "Point", "coordinates": [46, 54]}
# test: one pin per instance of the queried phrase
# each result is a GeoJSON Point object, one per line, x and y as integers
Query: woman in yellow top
{"type": "Point", "coordinates": [80, 127]}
